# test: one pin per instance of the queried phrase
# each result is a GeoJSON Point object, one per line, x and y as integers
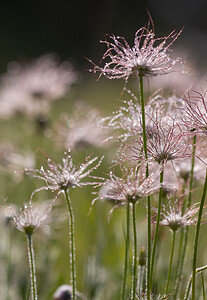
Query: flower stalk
{"type": "Point", "coordinates": [126, 251]}
{"type": "Point", "coordinates": [134, 271]}
{"type": "Point", "coordinates": [197, 236]}
{"type": "Point", "coordinates": [185, 236]}
{"type": "Point", "coordinates": [72, 244]}
{"type": "Point", "coordinates": [170, 265]}
{"type": "Point", "coordinates": [32, 266]}
{"type": "Point", "coordinates": [148, 197]}
{"type": "Point", "coordinates": [157, 226]}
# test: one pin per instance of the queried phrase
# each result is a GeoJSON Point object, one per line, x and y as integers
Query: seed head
{"type": "Point", "coordinates": [31, 217]}
{"type": "Point", "coordinates": [194, 112]}
{"type": "Point", "coordinates": [148, 57]}
{"type": "Point", "coordinates": [175, 218]}
{"type": "Point", "coordinates": [61, 177]}
{"type": "Point", "coordinates": [130, 188]}
{"type": "Point", "coordinates": [166, 142]}
{"type": "Point", "coordinates": [74, 131]}
{"type": "Point", "coordinates": [30, 89]}
{"type": "Point", "coordinates": [183, 169]}
{"type": "Point", "coordinates": [129, 116]}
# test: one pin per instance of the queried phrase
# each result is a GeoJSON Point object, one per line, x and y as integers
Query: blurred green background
{"type": "Point", "coordinates": [73, 29]}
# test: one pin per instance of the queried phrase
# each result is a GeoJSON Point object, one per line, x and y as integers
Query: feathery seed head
{"type": "Point", "coordinates": [130, 188]}
{"type": "Point", "coordinates": [169, 142]}
{"type": "Point", "coordinates": [29, 89]}
{"type": "Point", "coordinates": [194, 112]}
{"type": "Point", "coordinates": [74, 131]}
{"type": "Point", "coordinates": [148, 57]}
{"type": "Point", "coordinates": [61, 177]}
{"type": "Point", "coordinates": [31, 217]}
{"type": "Point", "coordinates": [183, 169]}
{"type": "Point", "coordinates": [175, 218]}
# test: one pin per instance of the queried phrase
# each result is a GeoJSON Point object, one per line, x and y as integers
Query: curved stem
{"type": "Point", "coordinates": [134, 271]}
{"type": "Point", "coordinates": [157, 226]}
{"type": "Point", "coordinates": [185, 237]}
{"type": "Point", "coordinates": [72, 244]}
{"type": "Point", "coordinates": [32, 267]}
{"type": "Point", "coordinates": [198, 270]}
{"type": "Point", "coordinates": [148, 198]}
{"type": "Point", "coordinates": [170, 265]}
{"type": "Point", "coordinates": [196, 237]}
{"type": "Point", "coordinates": [126, 252]}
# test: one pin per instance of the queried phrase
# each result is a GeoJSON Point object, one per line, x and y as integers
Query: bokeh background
{"type": "Point", "coordinates": [73, 29]}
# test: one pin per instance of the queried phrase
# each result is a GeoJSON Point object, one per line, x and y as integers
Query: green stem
{"type": "Point", "coordinates": [185, 237]}
{"type": "Point", "coordinates": [126, 252]}
{"type": "Point", "coordinates": [10, 233]}
{"type": "Point", "coordinates": [196, 237]}
{"type": "Point", "coordinates": [148, 198]}
{"type": "Point", "coordinates": [170, 265]}
{"type": "Point", "coordinates": [203, 287]}
{"type": "Point", "coordinates": [134, 271]}
{"type": "Point", "coordinates": [198, 270]}
{"type": "Point", "coordinates": [157, 226]}
{"type": "Point", "coordinates": [141, 281]}
{"type": "Point", "coordinates": [148, 246]}
{"type": "Point", "coordinates": [32, 267]}
{"type": "Point", "coordinates": [143, 118]}
{"type": "Point", "coordinates": [72, 244]}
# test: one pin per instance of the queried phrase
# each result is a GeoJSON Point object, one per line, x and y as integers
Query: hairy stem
{"type": "Point", "coordinates": [170, 265]}
{"type": "Point", "coordinates": [33, 285]}
{"type": "Point", "coordinates": [134, 271]}
{"type": "Point", "coordinates": [126, 252]}
{"type": "Point", "coordinates": [72, 244]}
{"type": "Point", "coordinates": [197, 236]}
{"type": "Point", "coordinates": [157, 226]}
{"type": "Point", "coordinates": [148, 198]}
{"type": "Point", "coordinates": [185, 236]}
{"type": "Point", "coordinates": [203, 287]}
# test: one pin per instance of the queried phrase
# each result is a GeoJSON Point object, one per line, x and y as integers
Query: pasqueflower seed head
{"type": "Point", "coordinates": [29, 89]}
{"type": "Point", "coordinates": [61, 177]}
{"type": "Point", "coordinates": [194, 112]}
{"type": "Point", "coordinates": [148, 57]}
{"type": "Point", "coordinates": [128, 118]}
{"type": "Point", "coordinates": [174, 217]}
{"type": "Point", "coordinates": [129, 188]}
{"type": "Point", "coordinates": [168, 142]}
{"type": "Point", "coordinates": [31, 217]}
{"type": "Point", "coordinates": [74, 131]}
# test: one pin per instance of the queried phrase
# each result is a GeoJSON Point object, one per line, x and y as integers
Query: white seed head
{"type": "Point", "coordinates": [149, 55]}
